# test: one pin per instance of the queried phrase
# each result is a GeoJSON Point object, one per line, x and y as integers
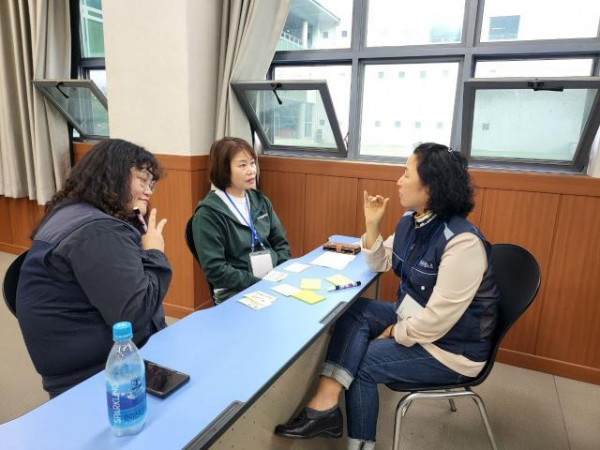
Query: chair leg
{"type": "Point", "coordinates": [401, 409]}
{"type": "Point", "coordinates": [479, 402]}
{"type": "Point", "coordinates": [452, 405]}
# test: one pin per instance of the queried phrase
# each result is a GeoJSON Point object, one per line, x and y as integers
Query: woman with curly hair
{"type": "Point", "coordinates": [440, 329]}
{"type": "Point", "coordinates": [94, 262]}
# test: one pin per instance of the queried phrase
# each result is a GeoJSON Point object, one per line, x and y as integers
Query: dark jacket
{"type": "Point", "coordinates": [86, 271]}
{"type": "Point", "coordinates": [224, 244]}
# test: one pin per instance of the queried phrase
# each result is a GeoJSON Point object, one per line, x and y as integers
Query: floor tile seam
{"type": "Point", "coordinates": [562, 415]}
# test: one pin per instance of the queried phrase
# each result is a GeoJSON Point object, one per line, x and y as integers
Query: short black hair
{"type": "Point", "coordinates": [221, 154]}
{"type": "Point", "coordinates": [444, 173]}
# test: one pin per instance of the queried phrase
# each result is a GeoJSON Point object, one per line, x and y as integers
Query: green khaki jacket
{"type": "Point", "coordinates": [224, 244]}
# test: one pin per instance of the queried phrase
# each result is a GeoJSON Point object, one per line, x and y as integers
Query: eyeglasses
{"type": "Point", "coordinates": [145, 178]}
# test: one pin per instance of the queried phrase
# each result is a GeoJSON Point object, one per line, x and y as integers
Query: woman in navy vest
{"type": "Point", "coordinates": [440, 329]}
{"type": "Point", "coordinates": [92, 263]}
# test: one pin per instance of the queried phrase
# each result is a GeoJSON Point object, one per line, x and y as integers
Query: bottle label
{"type": "Point", "coordinates": [126, 402]}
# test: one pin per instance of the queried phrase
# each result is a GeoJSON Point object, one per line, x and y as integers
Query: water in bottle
{"type": "Point", "coordinates": [125, 383]}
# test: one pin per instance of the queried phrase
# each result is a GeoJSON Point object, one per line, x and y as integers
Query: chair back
{"type": "Point", "coordinates": [518, 278]}
{"type": "Point", "coordinates": [517, 275]}
{"type": "Point", "coordinates": [10, 283]}
{"type": "Point", "coordinates": [189, 239]}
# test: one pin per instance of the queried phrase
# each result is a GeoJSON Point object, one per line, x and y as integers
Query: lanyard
{"type": "Point", "coordinates": [410, 242]}
{"type": "Point", "coordinates": [254, 233]}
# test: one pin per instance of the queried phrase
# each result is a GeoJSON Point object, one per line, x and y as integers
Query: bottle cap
{"type": "Point", "coordinates": [122, 331]}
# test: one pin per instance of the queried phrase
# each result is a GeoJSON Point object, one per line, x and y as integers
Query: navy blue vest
{"type": "Point", "coordinates": [416, 259]}
{"type": "Point", "coordinates": [66, 337]}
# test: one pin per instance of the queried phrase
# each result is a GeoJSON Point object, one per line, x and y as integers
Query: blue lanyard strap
{"type": "Point", "coordinates": [254, 233]}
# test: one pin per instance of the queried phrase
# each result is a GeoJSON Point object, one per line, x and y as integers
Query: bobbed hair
{"type": "Point", "coordinates": [444, 173]}
{"type": "Point", "coordinates": [221, 154]}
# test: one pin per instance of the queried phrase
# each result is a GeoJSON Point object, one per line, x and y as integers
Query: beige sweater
{"type": "Point", "coordinates": [461, 270]}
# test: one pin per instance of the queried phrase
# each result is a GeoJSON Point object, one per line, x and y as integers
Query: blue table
{"type": "Point", "coordinates": [232, 354]}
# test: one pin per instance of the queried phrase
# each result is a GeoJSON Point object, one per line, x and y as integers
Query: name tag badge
{"type": "Point", "coordinates": [409, 307]}
{"type": "Point", "coordinates": [261, 263]}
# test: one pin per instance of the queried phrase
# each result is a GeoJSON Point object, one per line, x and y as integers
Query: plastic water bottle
{"type": "Point", "coordinates": [125, 383]}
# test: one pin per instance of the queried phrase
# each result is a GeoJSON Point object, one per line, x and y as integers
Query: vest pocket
{"type": "Point", "coordinates": [422, 282]}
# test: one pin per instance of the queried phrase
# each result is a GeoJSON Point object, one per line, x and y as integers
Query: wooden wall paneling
{"type": "Point", "coordinates": [5, 233]}
{"type": "Point", "coordinates": [173, 200]}
{"type": "Point", "coordinates": [570, 318]}
{"type": "Point", "coordinates": [388, 287]}
{"type": "Point", "coordinates": [475, 216]}
{"type": "Point", "coordinates": [330, 208]}
{"type": "Point", "coordinates": [526, 219]}
{"type": "Point", "coordinates": [286, 192]}
{"type": "Point", "coordinates": [21, 221]}
{"type": "Point", "coordinates": [200, 187]}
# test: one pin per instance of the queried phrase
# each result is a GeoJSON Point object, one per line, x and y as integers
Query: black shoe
{"type": "Point", "coordinates": [304, 427]}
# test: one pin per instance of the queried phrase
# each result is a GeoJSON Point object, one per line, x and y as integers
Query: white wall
{"type": "Point", "coordinates": [161, 63]}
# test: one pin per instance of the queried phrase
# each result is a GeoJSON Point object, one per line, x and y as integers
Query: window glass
{"type": "Point", "coordinates": [542, 125]}
{"type": "Point", "coordinates": [292, 118]}
{"type": "Point", "coordinates": [92, 34]}
{"type": "Point", "coordinates": [338, 82]}
{"type": "Point", "coordinates": [317, 25]}
{"type": "Point", "coordinates": [510, 20]}
{"type": "Point", "coordinates": [77, 101]}
{"type": "Point", "coordinates": [99, 78]}
{"type": "Point", "coordinates": [534, 68]}
{"type": "Point", "coordinates": [414, 22]}
{"type": "Point", "coordinates": [424, 104]}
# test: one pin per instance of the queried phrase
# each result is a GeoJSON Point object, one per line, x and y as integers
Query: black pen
{"type": "Point", "coordinates": [337, 287]}
{"type": "Point", "coordinates": [140, 218]}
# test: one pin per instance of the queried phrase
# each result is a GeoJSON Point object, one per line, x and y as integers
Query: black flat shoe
{"type": "Point", "coordinates": [303, 427]}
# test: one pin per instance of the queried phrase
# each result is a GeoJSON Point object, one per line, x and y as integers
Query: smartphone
{"type": "Point", "coordinates": [162, 381]}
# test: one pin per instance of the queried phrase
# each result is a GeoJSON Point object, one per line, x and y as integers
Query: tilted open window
{"type": "Point", "coordinates": [546, 123]}
{"type": "Point", "coordinates": [292, 116]}
{"type": "Point", "coordinates": [80, 102]}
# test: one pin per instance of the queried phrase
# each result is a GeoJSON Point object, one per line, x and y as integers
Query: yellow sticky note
{"type": "Point", "coordinates": [339, 279]}
{"type": "Point", "coordinates": [308, 296]}
{"type": "Point", "coordinates": [310, 283]}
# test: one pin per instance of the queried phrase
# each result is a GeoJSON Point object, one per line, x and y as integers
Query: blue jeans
{"type": "Point", "coordinates": [359, 362]}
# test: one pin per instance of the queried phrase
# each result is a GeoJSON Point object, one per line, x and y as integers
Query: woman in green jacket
{"type": "Point", "coordinates": [237, 234]}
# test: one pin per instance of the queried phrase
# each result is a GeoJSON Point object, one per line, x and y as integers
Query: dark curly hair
{"type": "Point", "coordinates": [444, 173]}
{"type": "Point", "coordinates": [102, 178]}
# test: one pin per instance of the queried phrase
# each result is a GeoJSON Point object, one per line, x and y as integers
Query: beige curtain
{"type": "Point", "coordinates": [35, 43]}
{"type": "Point", "coordinates": [250, 30]}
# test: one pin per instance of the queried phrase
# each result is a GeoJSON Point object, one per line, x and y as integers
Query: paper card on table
{"type": "Point", "coordinates": [274, 275]}
{"type": "Point", "coordinates": [296, 267]}
{"type": "Point", "coordinates": [285, 289]}
{"type": "Point", "coordinates": [337, 261]}
{"type": "Point", "coordinates": [260, 296]}
{"type": "Point", "coordinates": [339, 279]}
{"type": "Point", "coordinates": [254, 304]}
{"type": "Point", "coordinates": [309, 296]}
{"type": "Point", "coordinates": [313, 284]}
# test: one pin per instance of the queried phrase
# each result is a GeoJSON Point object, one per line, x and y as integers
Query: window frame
{"type": "Point", "coordinates": [239, 88]}
{"type": "Point", "coordinates": [580, 158]}
{"type": "Point", "coordinates": [468, 52]}
{"type": "Point", "coordinates": [42, 84]}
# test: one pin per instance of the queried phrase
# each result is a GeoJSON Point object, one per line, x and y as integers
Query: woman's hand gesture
{"type": "Point", "coordinates": [153, 238]}
{"type": "Point", "coordinates": [374, 209]}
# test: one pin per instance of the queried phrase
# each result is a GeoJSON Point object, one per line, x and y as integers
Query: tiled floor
{"type": "Point", "coordinates": [528, 410]}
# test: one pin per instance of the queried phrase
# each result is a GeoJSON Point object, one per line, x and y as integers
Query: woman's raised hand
{"type": "Point", "coordinates": [374, 208]}
{"type": "Point", "coordinates": [153, 238]}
